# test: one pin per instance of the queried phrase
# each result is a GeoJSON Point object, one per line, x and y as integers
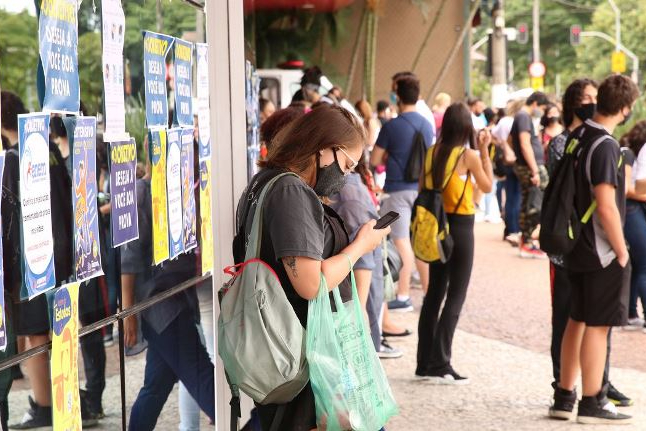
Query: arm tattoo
{"type": "Point", "coordinates": [291, 263]}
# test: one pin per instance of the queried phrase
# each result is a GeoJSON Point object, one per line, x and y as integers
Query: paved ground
{"type": "Point", "coordinates": [502, 344]}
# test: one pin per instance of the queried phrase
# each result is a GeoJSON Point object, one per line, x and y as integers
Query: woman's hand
{"type": "Point", "coordinates": [484, 139]}
{"type": "Point", "coordinates": [370, 238]}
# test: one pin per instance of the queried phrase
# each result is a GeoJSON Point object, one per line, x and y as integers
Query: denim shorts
{"type": "Point", "coordinates": [402, 203]}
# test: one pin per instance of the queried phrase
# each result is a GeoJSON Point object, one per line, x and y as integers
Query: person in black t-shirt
{"type": "Point", "coordinates": [598, 265]}
{"type": "Point", "coordinates": [529, 169]}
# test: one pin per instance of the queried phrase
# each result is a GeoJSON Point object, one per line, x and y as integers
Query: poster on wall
{"type": "Point", "coordinates": [203, 109]}
{"type": "Point", "coordinates": [157, 152]}
{"type": "Point", "coordinates": [123, 217]}
{"type": "Point", "coordinates": [252, 91]}
{"type": "Point", "coordinates": [35, 204]}
{"type": "Point", "coordinates": [183, 83]}
{"type": "Point", "coordinates": [58, 41]}
{"type": "Point", "coordinates": [66, 403]}
{"type": "Point", "coordinates": [114, 31]}
{"type": "Point", "coordinates": [87, 254]}
{"type": "Point", "coordinates": [188, 190]}
{"type": "Point", "coordinates": [174, 192]}
{"type": "Point", "coordinates": [3, 325]}
{"type": "Point", "coordinates": [206, 225]}
{"type": "Point", "coordinates": [156, 47]}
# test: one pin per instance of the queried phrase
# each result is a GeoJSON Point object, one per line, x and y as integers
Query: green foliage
{"type": "Point", "coordinates": [136, 123]}
{"type": "Point", "coordinates": [90, 74]}
{"type": "Point", "coordinates": [19, 55]}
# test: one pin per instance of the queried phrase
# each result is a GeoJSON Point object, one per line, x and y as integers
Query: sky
{"type": "Point", "coordinates": [18, 5]}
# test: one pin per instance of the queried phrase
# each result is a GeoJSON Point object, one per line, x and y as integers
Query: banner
{"type": "Point", "coordinates": [114, 30]}
{"type": "Point", "coordinates": [203, 110]}
{"type": "Point", "coordinates": [183, 83]}
{"type": "Point", "coordinates": [156, 47]}
{"type": "Point", "coordinates": [3, 324]}
{"type": "Point", "coordinates": [123, 217]}
{"type": "Point", "coordinates": [66, 402]}
{"type": "Point", "coordinates": [157, 151]}
{"type": "Point", "coordinates": [206, 225]}
{"type": "Point", "coordinates": [35, 204]}
{"type": "Point", "coordinates": [174, 191]}
{"type": "Point", "coordinates": [188, 189]}
{"type": "Point", "coordinates": [57, 41]}
{"type": "Point", "coordinates": [87, 254]}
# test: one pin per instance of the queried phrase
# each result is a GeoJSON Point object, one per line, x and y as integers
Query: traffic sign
{"type": "Point", "coordinates": [618, 62]}
{"type": "Point", "coordinates": [537, 83]}
{"type": "Point", "coordinates": [537, 69]}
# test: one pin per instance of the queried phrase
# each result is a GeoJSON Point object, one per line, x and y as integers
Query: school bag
{"type": "Point", "coordinates": [415, 163]}
{"type": "Point", "coordinates": [430, 235]}
{"type": "Point", "coordinates": [560, 221]}
{"type": "Point", "coordinates": [260, 339]}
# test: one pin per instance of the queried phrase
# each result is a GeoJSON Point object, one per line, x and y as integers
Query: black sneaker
{"type": "Point", "coordinates": [89, 416]}
{"type": "Point", "coordinates": [446, 376]}
{"type": "Point", "coordinates": [599, 410]}
{"type": "Point", "coordinates": [617, 398]}
{"type": "Point", "coordinates": [36, 417]}
{"type": "Point", "coordinates": [563, 405]}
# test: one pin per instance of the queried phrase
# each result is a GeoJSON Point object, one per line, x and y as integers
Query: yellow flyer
{"type": "Point", "coordinates": [157, 139]}
{"type": "Point", "coordinates": [206, 231]}
{"type": "Point", "coordinates": [66, 403]}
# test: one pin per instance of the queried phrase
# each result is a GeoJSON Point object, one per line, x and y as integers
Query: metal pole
{"type": "Point", "coordinates": [498, 57]}
{"type": "Point", "coordinates": [629, 53]}
{"type": "Point", "coordinates": [536, 33]}
{"type": "Point", "coordinates": [617, 12]}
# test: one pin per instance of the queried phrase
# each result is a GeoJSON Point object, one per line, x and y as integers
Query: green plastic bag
{"type": "Point", "coordinates": [350, 388]}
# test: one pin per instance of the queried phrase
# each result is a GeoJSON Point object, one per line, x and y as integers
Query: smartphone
{"type": "Point", "coordinates": [387, 220]}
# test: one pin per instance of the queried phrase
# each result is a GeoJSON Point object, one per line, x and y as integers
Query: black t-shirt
{"type": "Point", "coordinates": [523, 123]}
{"type": "Point", "coordinates": [598, 163]}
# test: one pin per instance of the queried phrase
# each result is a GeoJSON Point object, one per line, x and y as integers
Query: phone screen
{"type": "Point", "coordinates": [387, 220]}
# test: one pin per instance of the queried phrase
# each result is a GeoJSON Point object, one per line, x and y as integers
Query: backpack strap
{"type": "Point", "coordinates": [455, 166]}
{"type": "Point", "coordinates": [588, 162]}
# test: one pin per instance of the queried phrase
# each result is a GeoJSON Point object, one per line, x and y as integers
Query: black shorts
{"type": "Point", "coordinates": [32, 317]}
{"type": "Point", "coordinates": [600, 298]}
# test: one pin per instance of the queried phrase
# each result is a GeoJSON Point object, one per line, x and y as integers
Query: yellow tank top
{"type": "Point", "coordinates": [454, 185]}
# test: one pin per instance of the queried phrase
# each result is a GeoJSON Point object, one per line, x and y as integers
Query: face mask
{"type": "Point", "coordinates": [329, 179]}
{"type": "Point", "coordinates": [585, 112]}
{"type": "Point", "coordinates": [548, 121]}
{"type": "Point", "coordinates": [537, 113]}
{"type": "Point", "coordinates": [626, 118]}
{"type": "Point", "coordinates": [393, 98]}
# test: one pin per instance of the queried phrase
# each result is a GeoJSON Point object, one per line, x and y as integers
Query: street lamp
{"type": "Point", "coordinates": [614, 7]}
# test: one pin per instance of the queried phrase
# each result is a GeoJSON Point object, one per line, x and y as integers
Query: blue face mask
{"type": "Point", "coordinates": [393, 98]}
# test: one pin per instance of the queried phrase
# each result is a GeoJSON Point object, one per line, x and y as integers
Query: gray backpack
{"type": "Point", "coordinates": [260, 339]}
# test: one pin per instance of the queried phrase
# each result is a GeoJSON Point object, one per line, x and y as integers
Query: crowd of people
{"type": "Point", "coordinates": [490, 165]}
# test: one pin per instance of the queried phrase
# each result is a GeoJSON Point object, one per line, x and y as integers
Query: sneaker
{"type": "Point", "coordinates": [634, 324]}
{"type": "Point", "coordinates": [513, 239]}
{"type": "Point", "coordinates": [91, 413]}
{"type": "Point", "coordinates": [388, 352]}
{"type": "Point", "coordinates": [531, 252]}
{"type": "Point", "coordinates": [563, 405]}
{"type": "Point", "coordinates": [108, 340]}
{"type": "Point", "coordinates": [36, 417]}
{"type": "Point", "coordinates": [447, 376]}
{"type": "Point", "coordinates": [599, 410]}
{"type": "Point", "coordinates": [617, 398]}
{"type": "Point", "coordinates": [397, 306]}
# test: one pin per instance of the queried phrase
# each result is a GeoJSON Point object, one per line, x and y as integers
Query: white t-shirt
{"type": "Point", "coordinates": [422, 109]}
{"type": "Point", "coordinates": [639, 167]}
{"type": "Point", "coordinates": [502, 130]}
{"type": "Point", "coordinates": [478, 122]}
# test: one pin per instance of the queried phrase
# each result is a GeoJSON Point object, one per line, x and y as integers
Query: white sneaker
{"type": "Point", "coordinates": [634, 324]}
{"type": "Point", "coordinates": [388, 352]}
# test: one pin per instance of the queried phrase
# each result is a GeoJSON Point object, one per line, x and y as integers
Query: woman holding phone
{"type": "Point", "coordinates": [454, 163]}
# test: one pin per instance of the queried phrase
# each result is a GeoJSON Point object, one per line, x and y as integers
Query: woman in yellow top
{"type": "Point", "coordinates": [454, 163]}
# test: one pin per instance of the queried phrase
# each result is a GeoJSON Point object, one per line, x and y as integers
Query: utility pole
{"type": "Point", "coordinates": [160, 17]}
{"type": "Point", "coordinates": [498, 56]}
{"type": "Point", "coordinates": [617, 12]}
{"type": "Point", "coordinates": [536, 33]}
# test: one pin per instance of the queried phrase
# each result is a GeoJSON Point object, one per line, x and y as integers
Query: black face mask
{"type": "Point", "coordinates": [329, 179]}
{"type": "Point", "coordinates": [585, 112]}
{"type": "Point", "coordinates": [548, 121]}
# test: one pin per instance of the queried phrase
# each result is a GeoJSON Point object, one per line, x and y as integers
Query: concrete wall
{"type": "Point", "coordinates": [401, 31]}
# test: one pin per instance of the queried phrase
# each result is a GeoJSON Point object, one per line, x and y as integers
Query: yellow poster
{"type": "Point", "coordinates": [66, 403]}
{"type": "Point", "coordinates": [157, 139]}
{"type": "Point", "coordinates": [206, 231]}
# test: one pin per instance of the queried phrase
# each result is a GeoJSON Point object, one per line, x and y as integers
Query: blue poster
{"type": "Point", "coordinates": [87, 254]}
{"type": "Point", "coordinates": [174, 193]}
{"type": "Point", "coordinates": [156, 47]}
{"type": "Point", "coordinates": [123, 193]}
{"type": "Point", "coordinates": [183, 83]}
{"type": "Point", "coordinates": [35, 204]}
{"type": "Point", "coordinates": [203, 110]}
{"type": "Point", "coordinates": [3, 325]}
{"type": "Point", "coordinates": [188, 190]}
{"type": "Point", "coordinates": [58, 41]}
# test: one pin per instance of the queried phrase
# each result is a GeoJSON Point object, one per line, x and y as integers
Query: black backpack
{"type": "Point", "coordinates": [417, 156]}
{"type": "Point", "coordinates": [560, 221]}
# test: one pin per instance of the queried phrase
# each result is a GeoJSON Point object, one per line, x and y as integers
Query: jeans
{"type": "Point", "coordinates": [92, 309]}
{"type": "Point", "coordinates": [635, 231]}
{"type": "Point", "coordinates": [175, 354]}
{"type": "Point", "coordinates": [189, 410]}
{"type": "Point", "coordinates": [491, 206]}
{"type": "Point", "coordinates": [448, 284]}
{"type": "Point", "coordinates": [512, 201]}
{"type": "Point", "coordinates": [500, 186]}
